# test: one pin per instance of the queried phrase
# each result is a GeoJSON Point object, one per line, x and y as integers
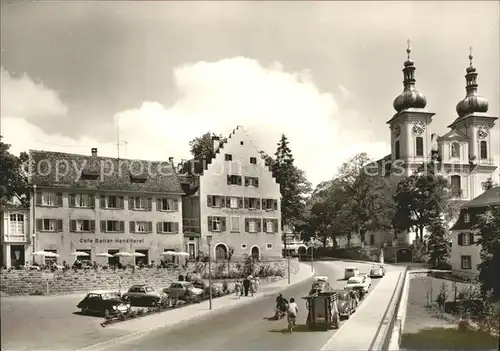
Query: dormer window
{"type": "Point", "coordinates": [455, 150]}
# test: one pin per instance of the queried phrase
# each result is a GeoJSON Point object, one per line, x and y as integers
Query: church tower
{"type": "Point", "coordinates": [410, 132]}
{"type": "Point", "coordinates": [474, 121]}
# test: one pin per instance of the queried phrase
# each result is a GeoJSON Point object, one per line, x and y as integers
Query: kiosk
{"type": "Point", "coordinates": [323, 310]}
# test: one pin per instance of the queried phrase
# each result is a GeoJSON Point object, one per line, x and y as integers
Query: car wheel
{"type": "Point", "coordinates": [348, 315]}
{"type": "Point", "coordinates": [107, 313]}
{"type": "Point", "coordinates": [154, 303]}
{"type": "Point", "coordinates": [85, 310]}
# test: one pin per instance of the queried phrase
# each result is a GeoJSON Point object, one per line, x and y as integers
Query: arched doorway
{"type": "Point", "coordinates": [220, 252]}
{"type": "Point", "coordinates": [404, 255]}
{"type": "Point", "coordinates": [256, 253]}
{"type": "Point", "coordinates": [302, 250]}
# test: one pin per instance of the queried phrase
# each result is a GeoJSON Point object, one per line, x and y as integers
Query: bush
{"type": "Point", "coordinates": [37, 293]}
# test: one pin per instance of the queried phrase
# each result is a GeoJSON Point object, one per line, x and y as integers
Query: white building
{"type": "Point", "coordinates": [465, 253]}
{"type": "Point", "coordinates": [465, 154]}
{"type": "Point", "coordinates": [15, 236]}
{"type": "Point", "coordinates": [233, 197]}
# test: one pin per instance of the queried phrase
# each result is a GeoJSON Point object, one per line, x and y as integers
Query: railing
{"type": "Point", "coordinates": [191, 225]}
{"type": "Point", "coordinates": [15, 238]}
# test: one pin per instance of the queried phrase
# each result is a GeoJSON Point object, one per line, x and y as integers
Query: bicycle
{"type": "Point", "coordinates": [291, 324]}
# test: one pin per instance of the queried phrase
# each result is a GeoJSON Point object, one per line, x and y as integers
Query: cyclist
{"type": "Point", "coordinates": [281, 306]}
{"type": "Point", "coordinates": [292, 312]}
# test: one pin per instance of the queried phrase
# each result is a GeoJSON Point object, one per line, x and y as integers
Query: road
{"type": "Point", "coordinates": [248, 327]}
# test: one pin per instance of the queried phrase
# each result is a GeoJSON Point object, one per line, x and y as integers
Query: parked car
{"type": "Point", "coordinates": [320, 284]}
{"type": "Point", "coordinates": [184, 291]}
{"type": "Point", "coordinates": [347, 303]}
{"type": "Point", "coordinates": [351, 272]}
{"type": "Point", "coordinates": [144, 295]}
{"type": "Point", "coordinates": [107, 303]}
{"type": "Point", "coordinates": [359, 284]}
{"type": "Point", "coordinates": [368, 280]}
{"type": "Point", "coordinates": [377, 272]}
{"type": "Point", "coordinates": [200, 284]}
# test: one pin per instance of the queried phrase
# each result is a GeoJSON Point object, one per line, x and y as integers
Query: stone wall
{"type": "Point", "coordinates": [21, 282]}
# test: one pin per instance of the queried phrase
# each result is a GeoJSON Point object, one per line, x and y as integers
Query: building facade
{"type": "Point", "coordinates": [465, 155]}
{"type": "Point", "coordinates": [99, 205]}
{"type": "Point", "coordinates": [465, 253]}
{"type": "Point", "coordinates": [232, 196]}
{"type": "Point", "coordinates": [15, 236]}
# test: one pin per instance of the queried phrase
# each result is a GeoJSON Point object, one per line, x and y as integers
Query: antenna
{"type": "Point", "coordinates": [118, 136]}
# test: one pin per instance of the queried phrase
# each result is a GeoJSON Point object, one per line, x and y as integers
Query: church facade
{"type": "Point", "coordinates": [465, 155]}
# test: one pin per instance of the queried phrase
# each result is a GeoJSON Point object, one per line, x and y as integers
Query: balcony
{"type": "Point", "coordinates": [191, 227]}
{"type": "Point", "coordinates": [15, 238]}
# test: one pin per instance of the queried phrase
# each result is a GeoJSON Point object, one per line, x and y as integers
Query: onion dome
{"type": "Point", "coordinates": [472, 102]}
{"type": "Point", "coordinates": [410, 97]}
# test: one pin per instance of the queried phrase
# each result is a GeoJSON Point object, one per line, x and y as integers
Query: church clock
{"type": "Point", "coordinates": [418, 127]}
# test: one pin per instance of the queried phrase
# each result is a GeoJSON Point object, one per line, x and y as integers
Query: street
{"type": "Point", "coordinates": [247, 327]}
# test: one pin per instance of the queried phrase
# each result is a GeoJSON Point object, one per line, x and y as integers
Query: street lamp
{"type": "Point", "coordinates": [209, 243]}
{"type": "Point", "coordinates": [33, 222]}
{"type": "Point", "coordinates": [312, 256]}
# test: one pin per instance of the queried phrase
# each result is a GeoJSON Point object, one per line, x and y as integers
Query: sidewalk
{"type": "Point", "coordinates": [140, 326]}
{"type": "Point", "coordinates": [360, 330]}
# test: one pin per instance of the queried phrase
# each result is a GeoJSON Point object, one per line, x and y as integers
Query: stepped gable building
{"type": "Point", "coordinates": [96, 204]}
{"type": "Point", "coordinates": [465, 253]}
{"type": "Point", "coordinates": [232, 196]}
{"type": "Point", "coordinates": [464, 155]}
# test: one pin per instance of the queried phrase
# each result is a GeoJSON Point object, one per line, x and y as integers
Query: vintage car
{"type": "Point", "coordinates": [377, 271]}
{"type": "Point", "coordinates": [184, 291]}
{"type": "Point", "coordinates": [216, 288]}
{"type": "Point", "coordinates": [347, 302]}
{"type": "Point", "coordinates": [145, 296]}
{"type": "Point", "coordinates": [368, 280]}
{"type": "Point", "coordinates": [359, 283]}
{"type": "Point", "coordinates": [107, 303]}
{"type": "Point", "coordinates": [351, 272]}
{"type": "Point", "coordinates": [320, 284]}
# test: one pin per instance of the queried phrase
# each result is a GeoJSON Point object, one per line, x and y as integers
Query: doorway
{"type": "Point", "coordinates": [143, 259]}
{"type": "Point", "coordinates": [256, 253]}
{"type": "Point", "coordinates": [192, 250]}
{"type": "Point", "coordinates": [113, 261]}
{"type": "Point", "coordinates": [17, 257]}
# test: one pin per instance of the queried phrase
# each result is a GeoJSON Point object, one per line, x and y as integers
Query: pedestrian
{"type": "Point", "coordinates": [257, 284]}
{"type": "Point", "coordinates": [246, 285]}
{"type": "Point", "coordinates": [253, 286]}
{"type": "Point", "coordinates": [237, 289]}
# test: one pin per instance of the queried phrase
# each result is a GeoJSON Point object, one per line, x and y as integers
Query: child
{"type": "Point", "coordinates": [237, 289]}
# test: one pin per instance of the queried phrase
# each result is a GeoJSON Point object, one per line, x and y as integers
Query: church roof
{"type": "Point", "coordinates": [488, 198]}
{"type": "Point", "coordinates": [454, 135]}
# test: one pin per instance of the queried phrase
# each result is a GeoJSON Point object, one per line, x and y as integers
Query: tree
{"type": "Point", "coordinates": [13, 177]}
{"type": "Point", "coordinates": [439, 246]}
{"type": "Point", "coordinates": [203, 145]}
{"type": "Point", "coordinates": [421, 199]}
{"type": "Point", "coordinates": [293, 183]}
{"type": "Point", "coordinates": [368, 195]}
{"type": "Point", "coordinates": [489, 241]}
{"type": "Point", "coordinates": [488, 184]}
{"type": "Point", "coordinates": [230, 253]}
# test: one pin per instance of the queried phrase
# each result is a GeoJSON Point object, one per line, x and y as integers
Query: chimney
{"type": "Point", "coordinates": [94, 152]}
{"type": "Point", "coordinates": [171, 160]}
{"type": "Point", "coordinates": [216, 143]}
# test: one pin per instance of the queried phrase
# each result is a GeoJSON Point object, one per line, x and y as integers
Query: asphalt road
{"type": "Point", "coordinates": [248, 327]}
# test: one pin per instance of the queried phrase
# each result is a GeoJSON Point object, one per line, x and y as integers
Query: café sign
{"type": "Point", "coordinates": [110, 241]}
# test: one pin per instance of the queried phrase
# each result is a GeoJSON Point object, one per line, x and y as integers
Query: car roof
{"type": "Point", "coordinates": [103, 292]}
{"type": "Point", "coordinates": [181, 282]}
{"type": "Point", "coordinates": [351, 267]}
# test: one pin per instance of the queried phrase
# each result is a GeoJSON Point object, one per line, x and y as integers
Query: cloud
{"type": "Point", "coordinates": [218, 96]}
{"type": "Point", "coordinates": [346, 94]}
{"type": "Point", "coordinates": [24, 98]}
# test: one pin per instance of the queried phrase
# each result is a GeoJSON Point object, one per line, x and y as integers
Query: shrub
{"type": "Point", "coordinates": [37, 293]}
{"type": "Point", "coordinates": [132, 314]}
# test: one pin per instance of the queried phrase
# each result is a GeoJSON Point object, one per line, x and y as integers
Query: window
{"type": "Point", "coordinates": [252, 181]}
{"type": "Point", "coordinates": [81, 200]}
{"type": "Point", "coordinates": [233, 180]}
{"type": "Point", "coordinates": [48, 199]}
{"type": "Point", "coordinates": [253, 160]}
{"type": "Point", "coordinates": [234, 202]}
{"type": "Point", "coordinates": [252, 226]}
{"type": "Point", "coordinates": [111, 202]}
{"type": "Point", "coordinates": [112, 226]}
{"type": "Point", "coordinates": [214, 201]}
{"type": "Point", "coordinates": [81, 225]}
{"type": "Point", "coordinates": [372, 239]}
{"type": "Point", "coordinates": [419, 142]}
{"type": "Point", "coordinates": [235, 224]}
{"type": "Point", "coordinates": [269, 204]}
{"type": "Point", "coordinates": [49, 225]}
{"type": "Point", "coordinates": [241, 143]}
{"type": "Point", "coordinates": [243, 246]}
{"type": "Point", "coordinates": [465, 239]}
{"type": "Point", "coordinates": [252, 203]}
{"type": "Point", "coordinates": [139, 203]}
{"type": "Point", "coordinates": [269, 226]}
{"type": "Point", "coordinates": [466, 218]}
{"type": "Point", "coordinates": [140, 227]}
{"type": "Point", "coordinates": [397, 150]}
{"type": "Point", "coordinates": [167, 227]}
{"type": "Point", "coordinates": [483, 149]}
{"type": "Point", "coordinates": [216, 224]}
{"type": "Point", "coordinates": [167, 204]}
{"type": "Point", "coordinates": [456, 187]}
{"type": "Point", "coordinates": [269, 246]}
{"type": "Point", "coordinates": [455, 150]}
{"type": "Point", "coordinates": [228, 157]}
{"type": "Point", "coordinates": [466, 262]}
{"type": "Point", "coordinates": [16, 223]}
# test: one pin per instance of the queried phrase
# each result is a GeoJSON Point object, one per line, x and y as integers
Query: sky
{"type": "Point", "coordinates": [155, 75]}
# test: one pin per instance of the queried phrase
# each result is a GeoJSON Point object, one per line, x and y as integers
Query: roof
{"type": "Point", "coordinates": [454, 134]}
{"type": "Point", "coordinates": [103, 292]}
{"type": "Point", "coordinates": [63, 170]}
{"type": "Point", "coordinates": [488, 198]}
